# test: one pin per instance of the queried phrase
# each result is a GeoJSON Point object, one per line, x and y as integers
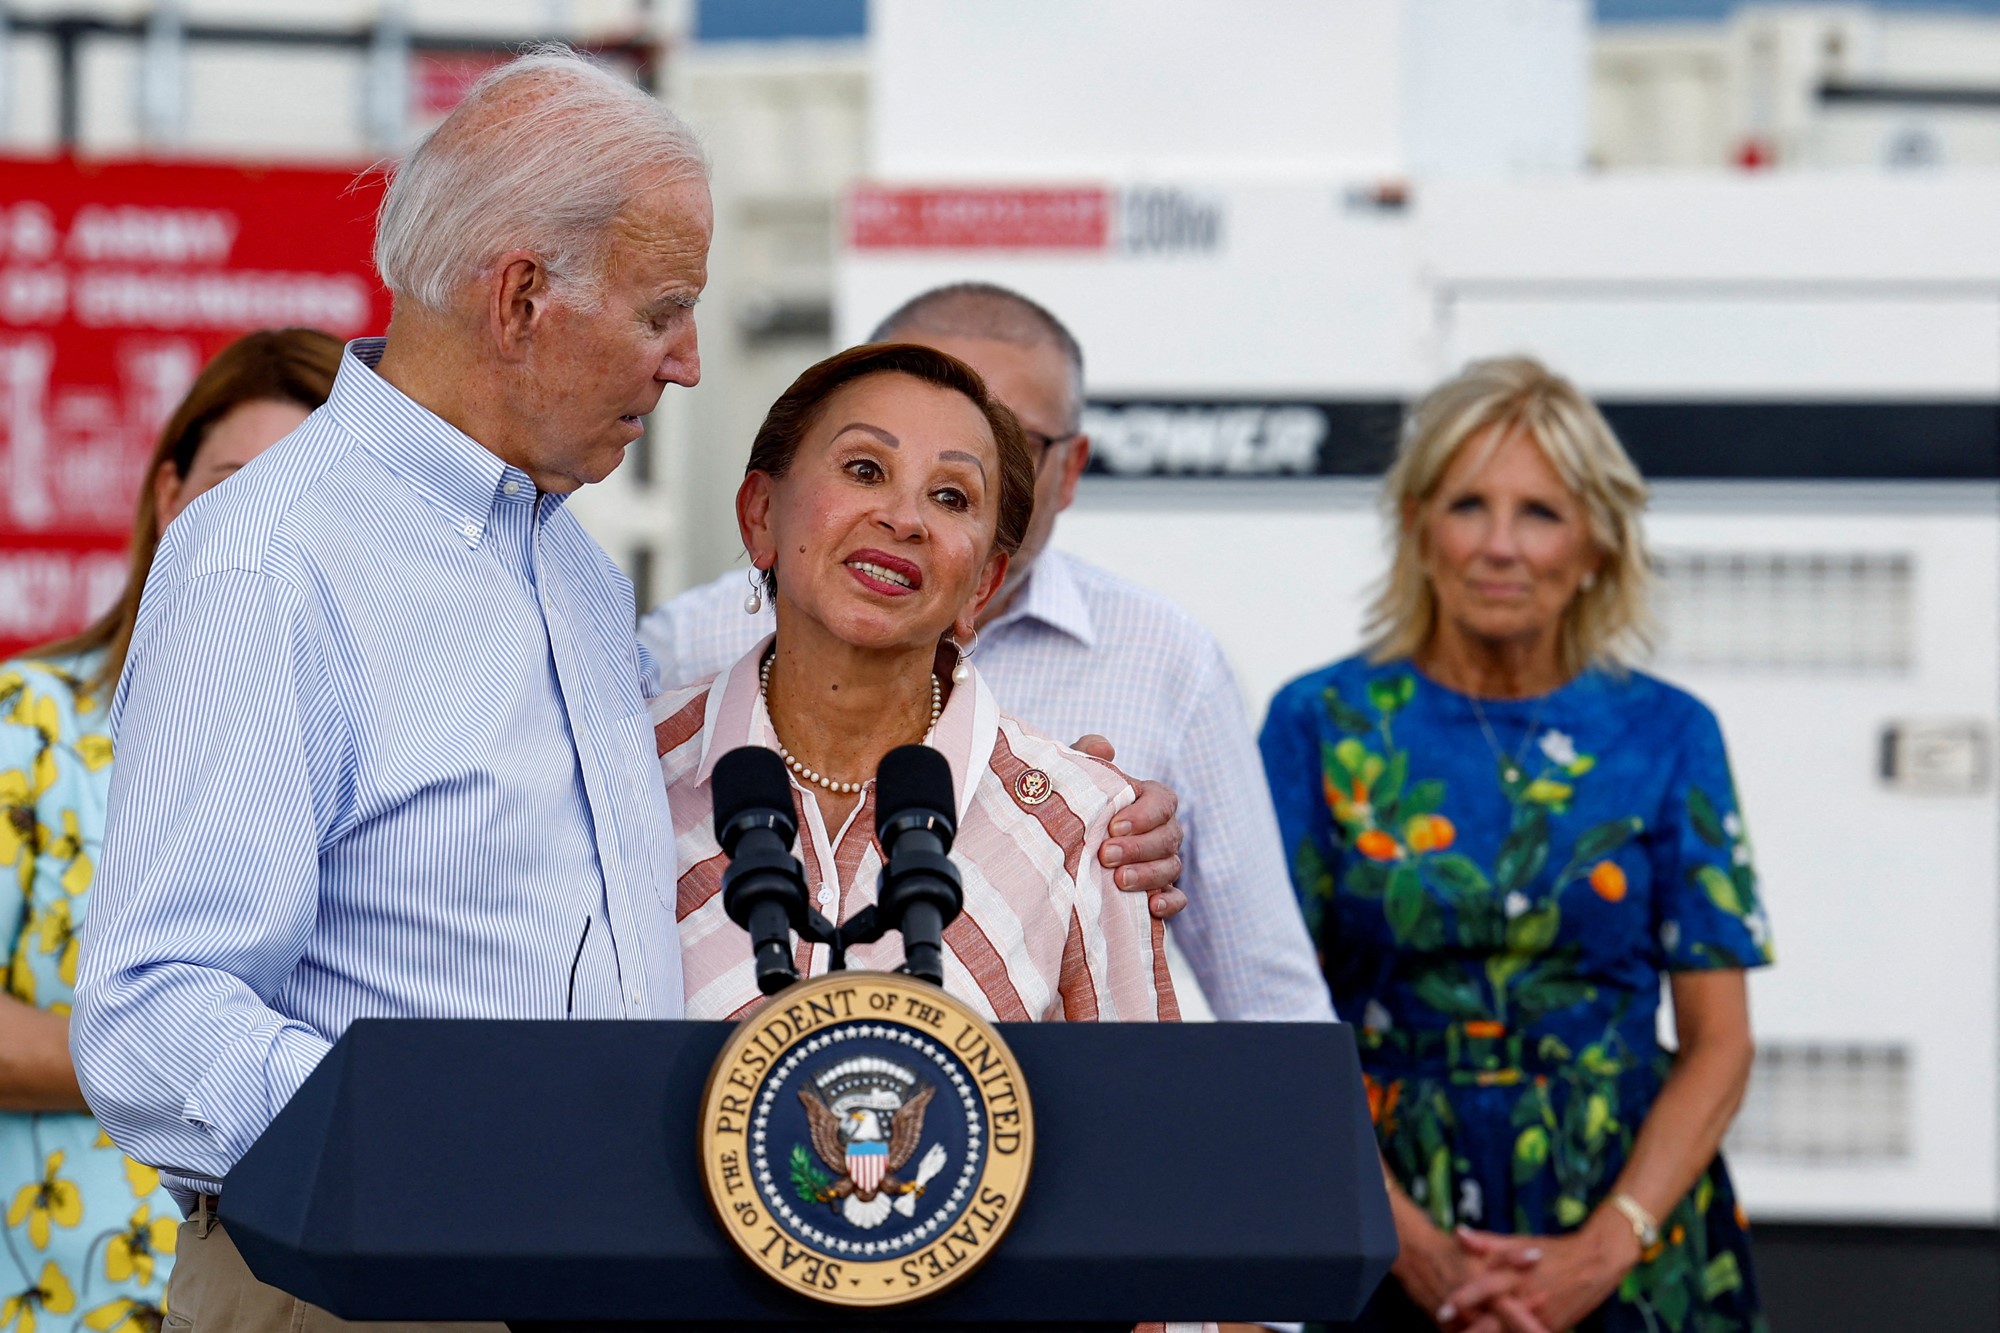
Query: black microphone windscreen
{"type": "Point", "coordinates": [749, 778]}
{"type": "Point", "coordinates": [913, 777]}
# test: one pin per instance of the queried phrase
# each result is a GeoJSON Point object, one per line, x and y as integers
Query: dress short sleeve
{"type": "Point", "coordinates": [20, 814]}
{"type": "Point", "coordinates": [1707, 913]}
{"type": "Point", "coordinates": [54, 754]}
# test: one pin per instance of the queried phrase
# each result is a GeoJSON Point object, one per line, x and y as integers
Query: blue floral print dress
{"type": "Point", "coordinates": [89, 1233]}
{"type": "Point", "coordinates": [1496, 913]}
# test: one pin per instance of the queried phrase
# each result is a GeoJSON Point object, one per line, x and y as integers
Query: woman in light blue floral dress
{"type": "Point", "coordinates": [89, 1233]}
{"type": "Point", "coordinates": [1503, 839]}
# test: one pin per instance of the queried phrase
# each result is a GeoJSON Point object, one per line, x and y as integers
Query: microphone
{"type": "Point", "coordinates": [920, 892]}
{"type": "Point", "coordinates": [764, 889]}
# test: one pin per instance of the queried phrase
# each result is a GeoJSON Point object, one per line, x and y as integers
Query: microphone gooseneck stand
{"type": "Point", "coordinates": [764, 888]}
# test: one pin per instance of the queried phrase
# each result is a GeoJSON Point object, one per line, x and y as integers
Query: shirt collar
{"type": "Point", "coordinates": [1051, 596]}
{"type": "Point", "coordinates": [452, 472]}
{"type": "Point", "coordinates": [735, 716]}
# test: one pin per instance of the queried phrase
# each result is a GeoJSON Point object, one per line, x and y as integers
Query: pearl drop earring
{"type": "Point", "coordinates": [963, 671]}
{"type": "Point", "coordinates": [755, 601]}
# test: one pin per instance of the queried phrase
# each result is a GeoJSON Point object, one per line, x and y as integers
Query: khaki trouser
{"type": "Point", "coordinates": [212, 1291]}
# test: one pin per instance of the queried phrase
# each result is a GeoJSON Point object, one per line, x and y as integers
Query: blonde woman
{"type": "Point", "coordinates": [1503, 837]}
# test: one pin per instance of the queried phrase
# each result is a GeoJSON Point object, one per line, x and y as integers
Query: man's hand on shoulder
{"type": "Point", "coordinates": [1143, 851]}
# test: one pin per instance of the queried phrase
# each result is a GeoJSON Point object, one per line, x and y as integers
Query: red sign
{"type": "Point", "coordinates": [979, 219]}
{"type": "Point", "coordinates": [439, 83]}
{"type": "Point", "coordinates": [118, 280]}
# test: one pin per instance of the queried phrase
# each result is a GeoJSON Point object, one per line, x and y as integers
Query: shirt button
{"type": "Point", "coordinates": [826, 897]}
{"type": "Point", "coordinates": [511, 488]}
{"type": "Point", "coordinates": [638, 996]}
{"type": "Point", "coordinates": [471, 531]}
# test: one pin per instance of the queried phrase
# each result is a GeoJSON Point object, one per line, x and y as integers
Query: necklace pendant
{"type": "Point", "coordinates": [1512, 774]}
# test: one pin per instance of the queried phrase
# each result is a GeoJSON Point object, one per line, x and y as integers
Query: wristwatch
{"type": "Point", "coordinates": [1644, 1225]}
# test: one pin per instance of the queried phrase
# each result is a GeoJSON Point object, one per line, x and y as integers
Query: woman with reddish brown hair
{"type": "Point", "coordinates": [86, 1229]}
{"type": "Point", "coordinates": [885, 493]}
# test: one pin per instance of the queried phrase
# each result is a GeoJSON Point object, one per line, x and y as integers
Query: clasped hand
{"type": "Point", "coordinates": [1491, 1283]}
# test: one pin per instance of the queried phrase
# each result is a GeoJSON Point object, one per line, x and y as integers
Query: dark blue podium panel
{"type": "Point", "coordinates": [548, 1172]}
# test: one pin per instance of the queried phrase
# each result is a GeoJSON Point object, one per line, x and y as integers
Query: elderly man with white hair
{"type": "Point", "coordinates": [382, 748]}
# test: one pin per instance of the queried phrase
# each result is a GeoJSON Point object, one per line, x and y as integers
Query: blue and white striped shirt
{"type": "Point", "coordinates": [381, 752]}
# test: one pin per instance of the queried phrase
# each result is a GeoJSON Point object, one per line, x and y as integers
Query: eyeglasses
{"type": "Point", "coordinates": [1043, 443]}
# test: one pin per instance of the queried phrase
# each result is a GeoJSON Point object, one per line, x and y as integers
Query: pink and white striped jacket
{"type": "Point", "coordinates": [1045, 934]}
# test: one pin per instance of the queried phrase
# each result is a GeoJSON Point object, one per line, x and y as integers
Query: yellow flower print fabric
{"type": "Point", "coordinates": [89, 1234]}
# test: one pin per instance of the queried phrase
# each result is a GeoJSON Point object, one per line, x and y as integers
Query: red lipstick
{"type": "Point", "coordinates": [884, 573]}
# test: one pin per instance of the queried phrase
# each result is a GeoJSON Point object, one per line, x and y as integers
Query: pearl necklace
{"type": "Point", "coordinates": [791, 761]}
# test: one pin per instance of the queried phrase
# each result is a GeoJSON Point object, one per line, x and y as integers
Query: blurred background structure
{"type": "Point", "coordinates": [1797, 86]}
{"type": "Point", "coordinates": [1767, 236]}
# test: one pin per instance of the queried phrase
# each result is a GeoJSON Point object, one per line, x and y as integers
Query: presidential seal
{"type": "Point", "coordinates": [865, 1138]}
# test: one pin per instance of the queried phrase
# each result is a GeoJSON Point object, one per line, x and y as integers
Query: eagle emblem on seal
{"type": "Point", "coordinates": [866, 1117]}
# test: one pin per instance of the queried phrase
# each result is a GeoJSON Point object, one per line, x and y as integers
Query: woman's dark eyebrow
{"type": "Point", "coordinates": [876, 431]}
{"type": "Point", "coordinates": [970, 458]}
